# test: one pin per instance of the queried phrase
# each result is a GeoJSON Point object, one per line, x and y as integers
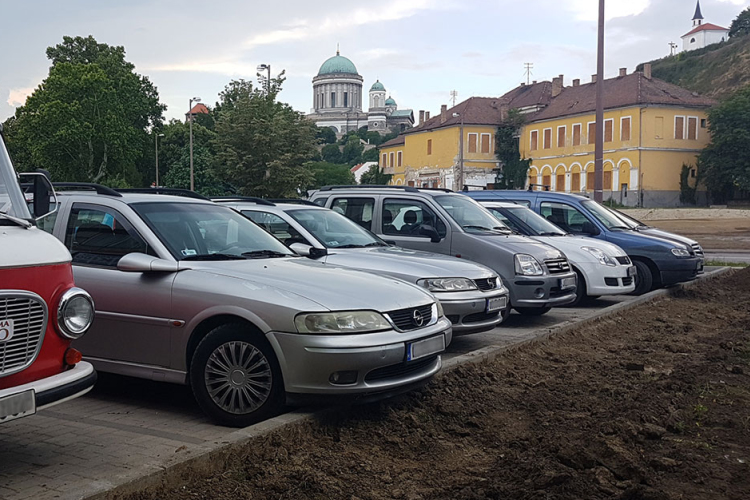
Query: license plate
{"type": "Point", "coordinates": [567, 283]}
{"type": "Point", "coordinates": [632, 271]}
{"type": "Point", "coordinates": [496, 304]}
{"type": "Point", "coordinates": [17, 406]}
{"type": "Point", "coordinates": [427, 347]}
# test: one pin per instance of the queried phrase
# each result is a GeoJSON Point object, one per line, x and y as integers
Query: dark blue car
{"type": "Point", "coordinates": [660, 262]}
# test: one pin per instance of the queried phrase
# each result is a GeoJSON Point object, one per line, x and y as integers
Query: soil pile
{"type": "Point", "coordinates": [652, 404]}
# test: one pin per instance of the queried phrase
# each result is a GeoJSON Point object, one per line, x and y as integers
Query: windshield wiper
{"type": "Point", "coordinates": [214, 256]}
{"type": "Point", "coordinates": [262, 254]}
{"type": "Point", "coordinates": [21, 222]}
{"type": "Point", "coordinates": [551, 233]}
{"type": "Point", "coordinates": [482, 228]}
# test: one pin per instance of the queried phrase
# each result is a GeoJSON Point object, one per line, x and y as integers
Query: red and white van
{"type": "Point", "coordinates": [41, 311]}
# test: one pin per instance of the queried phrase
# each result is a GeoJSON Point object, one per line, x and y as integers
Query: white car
{"type": "Point", "coordinates": [602, 268]}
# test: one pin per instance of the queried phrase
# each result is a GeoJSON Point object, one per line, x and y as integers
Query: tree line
{"type": "Point", "coordinates": [94, 119]}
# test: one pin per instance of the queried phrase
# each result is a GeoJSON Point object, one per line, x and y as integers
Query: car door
{"type": "Point", "coordinates": [132, 309]}
{"type": "Point", "coordinates": [403, 221]}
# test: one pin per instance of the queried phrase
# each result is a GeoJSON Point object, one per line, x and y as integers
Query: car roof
{"type": "Point", "coordinates": [509, 193]}
{"type": "Point", "coordinates": [130, 198]}
{"type": "Point", "coordinates": [272, 207]}
{"type": "Point", "coordinates": [499, 204]}
{"type": "Point", "coordinates": [328, 190]}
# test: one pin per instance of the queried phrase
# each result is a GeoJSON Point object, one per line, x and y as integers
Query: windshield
{"type": "Point", "coordinates": [604, 215]}
{"type": "Point", "coordinates": [198, 231]}
{"type": "Point", "coordinates": [528, 222]}
{"type": "Point", "coordinates": [11, 199]}
{"type": "Point", "coordinates": [628, 220]}
{"type": "Point", "coordinates": [470, 215]}
{"type": "Point", "coordinates": [334, 230]}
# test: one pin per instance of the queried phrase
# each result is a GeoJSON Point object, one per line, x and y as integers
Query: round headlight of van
{"type": "Point", "coordinates": [75, 313]}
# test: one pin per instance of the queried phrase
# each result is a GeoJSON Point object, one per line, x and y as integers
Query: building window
{"type": "Point", "coordinates": [346, 99]}
{"type": "Point", "coordinates": [692, 128]}
{"type": "Point", "coordinates": [391, 160]}
{"type": "Point", "coordinates": [560, 183]}
{"type": "Point", "coordinates": [577, 134]}
{"type": "Point", "coordinates": [703, 123]}
{"type": "Point", "coordinates": [625, 128]}
{"type": "Point", "coordinates": [575, 182]}
{"type": "Point", "coordinates": [590, 180]}
{"type": "Point", "coordinates": [607, 180]}
{"type": "Point", "coordinates": [333, 99]}
{"type": "Point", "coordinates": [385, 160]}
{"type": "Point", "coordinates": [534, 141]}
{"type": "Point", "coordinates": [485, 143]}
{"type": "Point", "coordinates": [679, 127]}
{"type": "Point", "coordinates": [659, 127]}
{"type": "Point", "coordinates": [692, 40]}
{"type": "Point", "coordinates": [561, 131]}
{"type": "Point", "coordinates": [429, 146]}
{"type": "Point", "coordinates": [399, 157]}
{"type": "Point", "coordinates": [592, 132]}
{"type": "Point", "coordinates": [547, 138]}
{"type": "Point", "coordinates": [472, 147]}
{"type": "Point", "coordinates": [546, 182]}
{"type": "Point", "coordinates": [609, 132]}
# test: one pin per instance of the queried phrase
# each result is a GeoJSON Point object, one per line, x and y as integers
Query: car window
{"type": "Point", "coordinates": [497, 212]}
{"type": "Point", "coordinates": [406, 217]}
{"type": "Point", "coordinates": [321, 201]}
{"type": "Point", "coordinates": [334, 230]}
{"type": "Point", "coordinates": [605, 216]}
{"type": "Point", "coordinates": [276, 226]}
{"type": "Point", "coordinates": [48, 223]}
{"type": "Point", "coordinates": [357, 209]}
{"type": "Point", "coordinates": [525, 203]}
{"type": "Point", "coordinates": [469, 214]}
{"type": "Point", "coordinates": [100, 236]}
{"type": "Point", "coordinates": [566, 217]}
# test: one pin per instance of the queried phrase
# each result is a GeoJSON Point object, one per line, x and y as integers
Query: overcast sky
{"type": "Point", "coordinates": [420, 49]}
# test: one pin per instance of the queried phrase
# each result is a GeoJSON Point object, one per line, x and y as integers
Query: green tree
{"type": "Point", "coordinates": [352, 153]}
{"type": "Point", "coordinates": [370, 155]}
{"type": "Point", "coordinates": [331, 153]}
{"type": "Point", "coordinates": [263, 145]}
{"type": "Point", "coordinates": [174, 150]}
{"type": "Point", "coordinates": [329, 174]}
{"type": "Point", "coordinates": [374, 138]}
{"type": "Point", "coordinates": [206, 181]}
{"type": "Point", "coordinates": [741, 25]}
{"type": "Point", "coordinates": [375, 176]}
{"type": "Point", "coordinates": [724, 165]}
{"type": "Point", "coordinates": [326, 135]}
{"type": "Point", "coordinates": [513, 168]}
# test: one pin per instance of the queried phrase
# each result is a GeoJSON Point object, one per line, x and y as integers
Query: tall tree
{"type": "Point", "coordinates": [741, 25]}
{"type": "Point", "coordinates": [263, 145]}
{"type": "Point", "coordinates": [352, 153]}
{"type": "Point", "coordinates": [375, 176]}
{"type": "Point", "coordinates": [513, 168]}
{"type": "Point", "coordinates": [724, 164]}
{"type": "Point", "coordinates": [329, 174]}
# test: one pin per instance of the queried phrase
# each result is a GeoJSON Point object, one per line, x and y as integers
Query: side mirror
{"type": "Point", "coordinates": [141, 263]}
{"type": "Point", "coordinates": [590, 229]}
{"type": "Point", "coordinates": [41, 190]}
{"type": "Point", "coordinates": [426, 230]}
{"type": "Point", "coordinates": [308, 251]}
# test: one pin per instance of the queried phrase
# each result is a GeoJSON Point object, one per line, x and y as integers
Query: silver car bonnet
{"type": "Point", "coordinates": [407, 264]}
{"type": "Point", "coordinates": [331, 287]}
{"type": "Point", "coordinates": [517, 244]}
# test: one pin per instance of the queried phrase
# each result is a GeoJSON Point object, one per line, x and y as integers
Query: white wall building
{"type": "Point", "coordinates": [703, 34]}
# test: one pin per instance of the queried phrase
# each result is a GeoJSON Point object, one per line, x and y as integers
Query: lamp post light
{"type": "Point", "coordinates": [266, 67]}
{"type": "Point", "coordinates": [156, 148]}
{"type": "Point", "coordinates": [190, 120]}
{"type": "Point", "coordinates": [460, 173]}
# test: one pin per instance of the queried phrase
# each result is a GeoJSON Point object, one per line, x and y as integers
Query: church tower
{"type": "Point", "coordinates": [377, 117]}
{"type": "Point", "coordinates": [698, 16]}
{"type": "Point", "coordinates": [703, 34]}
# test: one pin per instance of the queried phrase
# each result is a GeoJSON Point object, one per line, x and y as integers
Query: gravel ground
{"type": "Point", "coordinates": [652, 214]}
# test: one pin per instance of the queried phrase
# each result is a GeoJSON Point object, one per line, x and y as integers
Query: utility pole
{"type": "Point", "coordinates": [528, 67]}
{"type": "Point", "coordinates": [454, 95]}
{"type": "Point", "coordinates": [156, 147]}
{"type": "Point", "coordinates": [460, 173]}
{"type": "Point", "coordinates": [266, 67]}
{"type": "Point", "coordinates": [190, 119]}
{"type": "Point", "coordinates": [599, 142]}
{"type": "Point", "coordinates": [672, 48]}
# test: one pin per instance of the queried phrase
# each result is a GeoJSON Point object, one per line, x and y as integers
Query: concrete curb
{"type": "Point", "coordinates": [183, 467]}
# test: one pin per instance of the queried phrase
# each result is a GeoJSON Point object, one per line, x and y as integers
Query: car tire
{"type": "Point", "coordinates": [235, 376]}
{"type": "Point", "coordinates": [644, 280]}
{"type": "Point", "coordinates": [580, 290]}
{"type": "Point", "coordinates": [533, 311]}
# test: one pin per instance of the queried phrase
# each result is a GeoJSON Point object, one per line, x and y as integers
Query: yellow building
{"type": "Point", "coordinates": [651, 128]}
{"type": "Point", "coordinates": [429, 155]}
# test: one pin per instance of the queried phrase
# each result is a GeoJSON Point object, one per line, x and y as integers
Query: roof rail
{"type": "Point", "coordinates": [295, 201]}
{"type": "Point", "coordinates": [442, 190]}
{"type": "Point", "coordinates": [164, 190]}
{"type": "Point", "coordinates": [249, 199]}
{"type": "Point", "coordinates": [408, 189]}
{"type": "Point", "coordinates": [88, 185]}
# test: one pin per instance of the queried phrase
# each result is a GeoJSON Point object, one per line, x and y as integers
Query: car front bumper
{"type": "Point", "coordinates": [679, 270]}
{"type": "Point", "coordinates": [607, 280]}
{"type": "Point", "coordinates": [379, 360]}
{"type": "Point", "coordinates": [542, 291]}
{"type": "Point", "coordinates": [24, 400]}
{"type": "Point", "coordinates": [468, 311]}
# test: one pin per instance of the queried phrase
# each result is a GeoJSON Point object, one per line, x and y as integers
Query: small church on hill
{"type": "Point", "coordinates": [702, 34]}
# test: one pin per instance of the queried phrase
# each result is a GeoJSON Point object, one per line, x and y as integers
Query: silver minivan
{"type": "Point", "coordinates": [473, 297]}
{"type": "Point", "coordinates": [537, 275]}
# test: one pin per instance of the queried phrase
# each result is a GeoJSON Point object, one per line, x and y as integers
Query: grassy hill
{"type": "Point", "coordinates": [716, 71]}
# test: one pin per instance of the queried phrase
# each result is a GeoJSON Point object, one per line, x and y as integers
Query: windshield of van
{"type": "Point", "coordinates": [470, 215]}
{"type": "Point", "coordinates": [334, 230]}
{"type": "Point", "coordinates": [12, 202]}
{"type": "Point", "coordinates": [201, 231]}
{"type": "Point", "coordinates": [603, 215]}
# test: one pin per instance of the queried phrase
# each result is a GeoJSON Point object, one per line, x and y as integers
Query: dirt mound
{"type": "Point", "coordinates": [652, 404]}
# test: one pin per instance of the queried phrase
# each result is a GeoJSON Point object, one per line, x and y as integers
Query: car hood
{"type": "Point", "coordinates": [407, 264]}
{"type": "Point", "coordinates": [332, 287]}
{"type": "Point", "coordinates": [571, 245]}
{"type": "Point", "coordinates": [652, 231]}
{"type": "Point", "coordinates": [522, 244]}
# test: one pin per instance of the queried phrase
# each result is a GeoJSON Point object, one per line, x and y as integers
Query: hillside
{"type": "Point", "coordinates": [715, 71]}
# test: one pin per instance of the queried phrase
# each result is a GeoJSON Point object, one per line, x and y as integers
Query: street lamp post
{"type": "Point", "coordinates": [266, 67]}
{"type": "Point", "coordinates": [190, 120]}
{"type": "Point", "coordinates": [460, 173]}
{"type": "Point", "coordinates": [599, 142]}
{"type": "Point", "coordinates": [156, 148]}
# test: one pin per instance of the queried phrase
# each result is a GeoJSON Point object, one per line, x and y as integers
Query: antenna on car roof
{"type": "Point", "coordinates": [249, 199]}
{"type": "Point", "coordinates": [88, 185]}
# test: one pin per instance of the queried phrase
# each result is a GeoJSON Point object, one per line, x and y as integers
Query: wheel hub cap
{"type": "Point", "coordinates": [238, 377]}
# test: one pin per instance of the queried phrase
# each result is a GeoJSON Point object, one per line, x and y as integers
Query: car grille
{"type": "Point", "coordinates": [625, 261]}
{"type": "Point", "coordinates": [404, 318]}
{"type": "Point", "coordinates": [698, 250]}
{"type": "Point", "coordinates": [627, 281]}
{"type": "Point", "coordinates": [479, 317]}
{"type": "Point", "coordinates": [486, 283]}
{"type": "Point", "coordinates": [611, 281]}
{"type": "Point", "coordinates": [29, 316]}
{"type": "Point", "coordinates": [557, 266]}
{"type": "Point", "coordinates": [400, 370]}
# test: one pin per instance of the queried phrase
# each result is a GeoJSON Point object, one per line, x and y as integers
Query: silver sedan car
{"type": "Point", "coordinates": [191, 292]}
{"type": "Point", "coordinates": [472, 295]}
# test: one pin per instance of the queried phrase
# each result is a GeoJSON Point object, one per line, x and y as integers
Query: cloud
{"type": "Point", "coordinates": [17, 97]}
{"type": "Point", "coordinates": [588, 10]}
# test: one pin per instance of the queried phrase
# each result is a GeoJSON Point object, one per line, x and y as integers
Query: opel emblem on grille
{"type": "Point", "coordinates": [6, 330]}
{"type": "Point", "coordinates": [418, 318]}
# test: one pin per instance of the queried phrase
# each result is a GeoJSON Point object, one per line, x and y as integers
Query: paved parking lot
{"type": "Point", "coordinates": [129, 428]}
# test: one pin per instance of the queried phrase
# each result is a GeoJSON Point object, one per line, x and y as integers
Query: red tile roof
{"type": "Point", "coordinates": [704, 27]}
{"type": "Point", "coordinates": [199, 108]}
{"type": "Point", "coordinates": [393, 142]}
{"type": "Point", "coordinates": [473, 111]}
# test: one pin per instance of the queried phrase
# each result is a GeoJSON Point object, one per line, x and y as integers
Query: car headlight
{"type": "Point", "coordinates": [680, 252]}
{"type": "Point", "coordinates": [75, 313]}
{"type": "Point", "coordinates": [344, 322]}
{"type": "Point", "coordinates": [527, 265]}
{"type": "Point", "coordinates": [601, 256]}
{"type": "Point", "coordinates": [447, 284]}
{"type": "Point", "coordinates": [437, 310]}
